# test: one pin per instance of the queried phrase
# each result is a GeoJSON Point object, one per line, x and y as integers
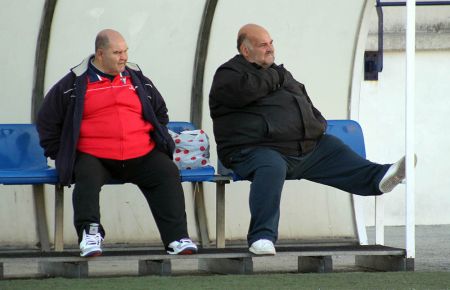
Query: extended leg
{"type": "Point", "coordinates": [333, 163]}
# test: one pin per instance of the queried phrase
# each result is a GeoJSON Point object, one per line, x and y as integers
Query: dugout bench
{"type": "Point", "coordinates": [22, 162]}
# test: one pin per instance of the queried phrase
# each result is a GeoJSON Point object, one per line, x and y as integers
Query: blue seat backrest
{"type": "Point", "coordinates": [20, 149]}
{"type": "Point", "coordinates": [178, 127]}
{"type": "Point", "coordinates": [349, 131]}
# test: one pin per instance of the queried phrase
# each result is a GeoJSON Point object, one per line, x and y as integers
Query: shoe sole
{"type": "Point", "coordinates": [187, 251]}
{"type": "Point", "coordinates": [91, 254]}
{"type": "Point", "coordinates": [262, 253]}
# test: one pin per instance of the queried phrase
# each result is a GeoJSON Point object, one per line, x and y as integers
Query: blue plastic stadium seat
{"type": "Point", "coordinates": [350, 133]}
{"type": "Point", "coordinates": [22, 159]}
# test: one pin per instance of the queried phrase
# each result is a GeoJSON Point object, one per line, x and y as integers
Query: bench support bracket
{"type": "Point", "coordinates": [382, 263]}
{"type": "Point", "coordinates": [155, 267]}
{"type": "Point", "coordinates": [323, 264]}
{"type": "Point", "coordinates": [226, 265]}
{"type": "Point", "coordinates": [65, 269]}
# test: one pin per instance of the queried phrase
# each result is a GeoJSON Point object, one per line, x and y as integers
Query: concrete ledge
{"type": "Point", "coordinates": [227, 265]}
{"type": "Point", "coordinates": [225, 261]}
{"type": "Point", "coordinates": [78, 269]}
{"type": "Point", "coordinates": [315, 264]}
{"type": "Point", "coordinates": [154, 267]}
{"type": "Point", "coordinates": [410, 264]}
{"type": "Point", "coordinates": [382, 263]}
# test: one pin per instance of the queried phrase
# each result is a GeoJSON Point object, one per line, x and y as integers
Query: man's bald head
{"type": "Point", "coordinates": [255, 45]}
{"type": "Point", "coordinates": [247, 32]}
{"type": "Point", "coordinates": [111, 52]}
{"type": "Point", "coordinates": [105, 37]}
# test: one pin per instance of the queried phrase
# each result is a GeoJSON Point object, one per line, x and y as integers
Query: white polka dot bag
{"type": "Point", "coordinates": [191, 149]}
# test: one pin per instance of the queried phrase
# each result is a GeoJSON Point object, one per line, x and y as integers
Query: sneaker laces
{"type": "Point", "coordinates": [185, 241]}
{"type": "Point", "coordinates": [93, 239]}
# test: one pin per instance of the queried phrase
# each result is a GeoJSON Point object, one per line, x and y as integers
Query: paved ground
{"type": "Point", "coordinates": [432, 245]}
{"type": "Point", "coordinates": [432, 254]}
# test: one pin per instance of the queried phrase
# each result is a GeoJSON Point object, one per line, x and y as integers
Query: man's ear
{"type": "Point", "coordinates": [99, 53]}
{"type": "Point", "coordinates": [244, 50]}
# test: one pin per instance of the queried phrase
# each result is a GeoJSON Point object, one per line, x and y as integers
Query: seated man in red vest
{"type": "Point", "coordinates": [105, 120]}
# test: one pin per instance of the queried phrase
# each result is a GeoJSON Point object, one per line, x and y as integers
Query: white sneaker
{"type": "Point", "coordinates": [91, 244]}
{"type": "Point", "coordinates": [262, 247]}
{"type": "Point", "coordinates": [394, 176]}
{"type": "Point", "coordinates": [182, 247]}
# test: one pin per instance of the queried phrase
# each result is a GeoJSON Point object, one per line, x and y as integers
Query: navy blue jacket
{"type": "Point", "coordinates": [59, 118]}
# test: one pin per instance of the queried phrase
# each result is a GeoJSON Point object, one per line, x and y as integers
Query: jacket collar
{"type": "Point", "coordinates": [241, 59]}
{"type": "Point", "coordinates": [83, 66]}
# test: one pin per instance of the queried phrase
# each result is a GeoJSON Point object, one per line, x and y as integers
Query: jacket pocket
{"type": "Point", "coordinates": [240, 128]}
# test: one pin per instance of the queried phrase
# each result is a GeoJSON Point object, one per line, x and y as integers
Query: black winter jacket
{"type": "Point", "coordinates": [59, 118]}
{"type": "Point", "coordinates": [254, 106]}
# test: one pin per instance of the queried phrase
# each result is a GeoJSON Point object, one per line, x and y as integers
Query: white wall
{"type": "Point", "coordinates": [19, 25]}
{"type": "Point", "coordinates": [382, 116]}
{"type": "Point", "coordinates": [382, 112]}
{"type": "Point", "coordinates": [18, 31]}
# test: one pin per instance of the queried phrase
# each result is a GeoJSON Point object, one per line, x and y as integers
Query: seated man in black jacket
{"type": "Point", "coordinates": [267, 130]}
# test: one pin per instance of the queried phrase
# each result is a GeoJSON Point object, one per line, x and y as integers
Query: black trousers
{"type": "Point", "coordinates": [156, 176]}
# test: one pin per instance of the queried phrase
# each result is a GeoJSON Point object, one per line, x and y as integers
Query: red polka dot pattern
{"type": "Point", "coordinates": [191, 149]}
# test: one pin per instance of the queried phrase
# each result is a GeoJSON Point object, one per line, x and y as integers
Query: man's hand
{"type": "Point", "coordinates": [281, 73]}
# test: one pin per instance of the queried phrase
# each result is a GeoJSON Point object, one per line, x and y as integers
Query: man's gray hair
{"type": "Point", "coordinates": [101, 41]}
{"type": "Point", "coordinates": [242, 39]}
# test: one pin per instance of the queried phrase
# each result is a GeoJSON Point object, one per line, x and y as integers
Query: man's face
{"type": "Point", "coordinates": [114, 58]}
{"type": "Point", "coordinates": [260, 50]}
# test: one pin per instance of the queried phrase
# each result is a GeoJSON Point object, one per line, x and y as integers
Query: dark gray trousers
{"type": "Point", "coordinates": [331, 163]}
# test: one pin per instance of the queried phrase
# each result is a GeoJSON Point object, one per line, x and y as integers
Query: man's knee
{"type": "Point", "coordinates": [88, 167]}
{"type": "Point", "coordinates": [262, 162]}
{"type": "Point", "coordinates": [273, 165]}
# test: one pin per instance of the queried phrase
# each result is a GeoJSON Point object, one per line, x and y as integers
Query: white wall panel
{"type": "Point", "coordinates": [19, 26]}
{"type": "Point", "coordinates": [382, 116]}
{"type": "Point", "coordinates": [161, 36]}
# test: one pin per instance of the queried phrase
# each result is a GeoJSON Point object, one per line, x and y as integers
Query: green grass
{"type": "Point", "coordinates": [354, 280]}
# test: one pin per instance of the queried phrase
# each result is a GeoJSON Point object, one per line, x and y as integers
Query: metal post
{"type": "Point", "coordinates": [380, 36]}
{"type": "Point", "coordinates": [410, 94]}
{"type": "Point", "coordinates": [379, 220]}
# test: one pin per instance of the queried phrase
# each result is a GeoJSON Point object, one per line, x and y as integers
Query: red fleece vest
{"type": "Point", "coordinates": [112, 126]}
